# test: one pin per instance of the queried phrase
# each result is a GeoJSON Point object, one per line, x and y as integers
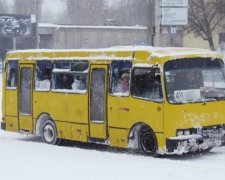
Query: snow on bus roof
{"type": "Point", "coordinates": [182, 51]}
{"type": "Point", "coordinates": [82, 58]}
{"type": "Point", "coordinates": [110, 49]}
{"type": "Point", "coordinates": [153, 52]}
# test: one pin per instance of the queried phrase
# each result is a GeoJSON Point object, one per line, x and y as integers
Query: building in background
{"type": "Point", "coordinates": [67, 37]}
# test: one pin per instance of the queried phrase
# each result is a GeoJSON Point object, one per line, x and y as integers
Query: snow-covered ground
{"type": "Point", "coordinates": [25, 157]}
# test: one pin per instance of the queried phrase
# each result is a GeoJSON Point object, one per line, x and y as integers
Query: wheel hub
{"type": "Point", "coordinates": [148, 142]}
{"type": "Point", "coordinates": [49, 133]}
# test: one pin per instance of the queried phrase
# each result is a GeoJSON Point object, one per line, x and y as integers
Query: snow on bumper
{"type": "Point", "coordinates": [209, 138]}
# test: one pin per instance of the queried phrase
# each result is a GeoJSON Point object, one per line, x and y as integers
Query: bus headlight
{"type": "Point", "coordinates": [180, 132]}
{"type": "Point", "coordinates": [187, 132]}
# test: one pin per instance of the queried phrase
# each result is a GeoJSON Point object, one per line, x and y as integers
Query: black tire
{"type": "Point", "coordinates": [49, 133]}
{"type": "Point", "coordinates": [147, 142]}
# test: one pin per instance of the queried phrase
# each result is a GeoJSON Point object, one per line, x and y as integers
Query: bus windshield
{"type": "Point", "coordinates": [194, 80]}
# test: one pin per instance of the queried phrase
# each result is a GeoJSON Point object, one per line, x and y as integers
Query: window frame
{"type": "Point", "coordinates": [119, 94]}
{"type": "Point", "coordinates": [161, 84]}
{"type": "Point", "coordinates": [185, 60]}
{"type": "Point", "coordinates": [69, 71]}
{"type": "Point", "coordinates": [35, 76]}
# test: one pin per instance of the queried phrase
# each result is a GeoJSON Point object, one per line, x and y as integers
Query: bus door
{"type": "Point", "coordinates": [25, 98]}
{"type": "Point", "coordinates": [97, 102]}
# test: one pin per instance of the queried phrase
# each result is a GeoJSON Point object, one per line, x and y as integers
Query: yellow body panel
{"type": "Point", "coordinates": [71, 131]}
{"type": "Point", "coordinates": [11, 98]}
{"type": "Point", "coordinates": [98, 130]}
{"type": "Point", "coordinates": [68, 107]}
{"type": "Point", "coordinates": [26, 123]}
{"type": "Point", "coordinates": [64, 130]}
{"type": "Point", "coordinates": [124, 112]}
{"type": "Point", "coordinates": [161, 140]}
{"type": "Point", "coordinates": [12, 123]}
{"type": "Point", "coordinates": [80, 132]}
{"type": "Point", "coordinates": [184, 116]}
{"type": "Point", "coordinates": [118, 137]}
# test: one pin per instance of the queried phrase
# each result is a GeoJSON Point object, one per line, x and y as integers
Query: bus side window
{"type": "Point", "coordinates": [43, 75]}
{"type": "Point", "coordinates": [70, 76]}
{"type": "Point", "coordinates": [120, 78]}
{"type": "Point", "coordinates": [146, 83]}
{"type": "Point", "coordinates": [12, 74]}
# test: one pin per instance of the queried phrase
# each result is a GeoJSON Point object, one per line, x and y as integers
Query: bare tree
{"type": "Point", "coordinates": [204, 17]}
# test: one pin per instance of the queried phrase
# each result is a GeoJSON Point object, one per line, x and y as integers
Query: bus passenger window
{"type": "Point", "coordinates": [146, 84]}
{"type": "Point", "coordinates": [70, 76]}
{"type": "Point", "coordinates": [12, 73]}
{"type": "Point", "coordinates": [120, 78]}
{"type": "Point", "coordinates": [43, 75]}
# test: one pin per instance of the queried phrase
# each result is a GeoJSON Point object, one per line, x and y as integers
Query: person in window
{"type": "Point", "coordinates": [43, 81]}
{"type": "Point", "coordinates": [13, 78]}
{"type": "Point", "coordinates": [123, 84]}
{"type": "Point", "coordinates": [65, 82]}
{"type": "Point", "coordinates": [79, 83]}
{"type": "Point", "coordinates": [45, 84]}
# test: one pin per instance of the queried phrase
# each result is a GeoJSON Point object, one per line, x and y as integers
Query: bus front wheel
{"type": "Point", "coordinates": [48, 132]}
{"type": "Point", "coordinates": [147, 142]}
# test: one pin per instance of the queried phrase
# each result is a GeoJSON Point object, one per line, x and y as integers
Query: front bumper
{"type": "Point", "coordinates": [209, 138]}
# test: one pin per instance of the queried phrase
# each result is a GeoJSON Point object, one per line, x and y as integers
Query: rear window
{"type": "Point", "coordinates": [12, 74]}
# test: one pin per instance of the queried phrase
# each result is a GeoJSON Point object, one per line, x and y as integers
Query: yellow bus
{"type": "Point", "coordinates": [154, 100]}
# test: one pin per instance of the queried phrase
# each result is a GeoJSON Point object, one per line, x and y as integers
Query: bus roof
{"type": "Point", "coordinates": [114, 53]}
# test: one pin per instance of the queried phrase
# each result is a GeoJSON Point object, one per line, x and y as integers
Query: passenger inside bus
{"type": "Point", "coordinates": [13, 78]}
{"type": "Point", "coordinates": [118, 84]}
{"type": "Point", "coordinates": [79, 83]}
{"type": "Point", "coordinates": [123, 84]}
{"type": "Point", "coordinates": [47, 74]}
{"type": "Point", "coordinates": [43, 79]}
{"type": "Point", "coordinates": [66, 82]}
{"type": "Point", "coordinates": [46, 79]}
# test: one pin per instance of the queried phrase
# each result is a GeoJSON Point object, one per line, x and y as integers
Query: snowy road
{"type": "Point", "coordinates": [26, 158]}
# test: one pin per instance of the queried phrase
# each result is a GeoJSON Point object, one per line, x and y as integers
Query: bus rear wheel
{"type": "Point", "coordinates": [49, 133]}
{"type": "Point", "coordinates": [147, 142]}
